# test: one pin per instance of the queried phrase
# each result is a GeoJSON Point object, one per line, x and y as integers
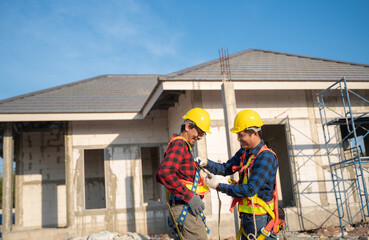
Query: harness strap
{"type": "Point", "coordinates": [182, 216]}
{"type": "Point", "coordinates": [177, 232]}
{"type": "Point", "coordinates": [242, 168]}
{"type": "Point", "coordinates": [275, 223]}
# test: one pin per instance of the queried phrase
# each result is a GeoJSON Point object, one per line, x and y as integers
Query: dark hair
{"type": "Point", "coordinates": [183, 126]}
{"type": "Point", "coordinates": [251, 131]}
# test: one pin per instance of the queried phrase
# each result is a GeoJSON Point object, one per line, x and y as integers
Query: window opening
{"type": "Point", "coordinates": [362, 140]}
{"type": "Point", "coordinates": [94, 179]}
{"type": "Point", "coordinates": [150, 163]}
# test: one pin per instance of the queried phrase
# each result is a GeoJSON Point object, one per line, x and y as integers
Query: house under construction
{"type": "Point", "coordinates": [86, 153]}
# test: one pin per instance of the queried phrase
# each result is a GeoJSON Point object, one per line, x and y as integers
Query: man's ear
{"type": "Point", "coordinates": [187, 126]}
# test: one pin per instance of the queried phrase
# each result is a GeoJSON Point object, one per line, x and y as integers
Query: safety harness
{"type": "Point", "coordinates": [254, 204]}
{"type": "Point", "coordinates": [197, 187]}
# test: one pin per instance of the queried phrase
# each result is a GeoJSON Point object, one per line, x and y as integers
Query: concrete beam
{"type": "Point", "coordinates": [8, 156]}
{"type": "Point", "coordinates": [39, 117]}
{"type": "Point", "coordinates": [257, 85]}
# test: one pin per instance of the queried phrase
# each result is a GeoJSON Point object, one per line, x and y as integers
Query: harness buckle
{"type": "Point", "coordinates": [265, 232]}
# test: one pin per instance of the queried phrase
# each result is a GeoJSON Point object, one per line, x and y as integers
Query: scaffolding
{"type": "Point", "coordinates": [346, 129]}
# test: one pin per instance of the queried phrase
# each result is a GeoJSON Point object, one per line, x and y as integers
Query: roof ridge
{"type": "Point", "coordinates": [69, 85]}
{"type": "Point", "coordinates": [202, 65]}
{"type": "Point", "coordinates": [205, 64]}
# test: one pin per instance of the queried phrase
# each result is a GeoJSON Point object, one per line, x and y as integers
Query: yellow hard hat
{"type": "Point", "coordinates": [200, 117]}
{"type": "Point", "coordinates": [245, 119]}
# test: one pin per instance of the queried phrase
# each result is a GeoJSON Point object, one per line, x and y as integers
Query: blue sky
{"type": "Point", "coordinates": [46, 43]}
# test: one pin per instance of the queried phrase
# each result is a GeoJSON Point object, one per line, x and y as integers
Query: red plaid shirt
{"type": "Point", "coordinates": [177, 165]}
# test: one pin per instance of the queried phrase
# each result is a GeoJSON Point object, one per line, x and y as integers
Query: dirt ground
{"type": "Point", "coordinates": [353, 232]}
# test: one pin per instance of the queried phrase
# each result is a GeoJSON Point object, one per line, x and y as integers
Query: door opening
{"type": "Point", "coordinates": [275, 138]}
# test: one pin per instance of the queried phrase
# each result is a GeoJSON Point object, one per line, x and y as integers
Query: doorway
{"type": "Point", "coordinates": [275, 138]}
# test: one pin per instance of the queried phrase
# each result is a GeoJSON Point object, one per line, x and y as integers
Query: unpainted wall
{"type": "Point", "coordinates": [122, 141]}
{"type": "Point", "coordinates": [40, 181]}
{"type": "Point", "coordinates": [298, 112]}
{"type": "Point", "coordinates": [40, 192]}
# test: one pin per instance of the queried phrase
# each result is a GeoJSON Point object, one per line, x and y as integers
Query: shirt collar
{"type": "Point", "coordinates": [256, 150]}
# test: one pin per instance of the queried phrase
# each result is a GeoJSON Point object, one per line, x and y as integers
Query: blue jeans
{"type": "Point", "coordinates": [247, 221]}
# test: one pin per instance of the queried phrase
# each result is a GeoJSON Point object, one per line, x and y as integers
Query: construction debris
{"type": "Point", "coordinates": [359, 231]}
{"type": "Point", "coordinates": [116, 236]}
{"type": "Point", "coordinates": [352, 232]}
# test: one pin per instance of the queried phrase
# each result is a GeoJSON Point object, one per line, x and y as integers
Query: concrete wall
{"type": "Point", "coordinates": [311, 185]}
{"type": "Point", "coordinates": [41, 194]}
{"type": "Point", "coordinates": [40, 181]}
{"type": "Point", "coordinates": [297, 111]}
{"type": "Point", "coordinates": [122, 141]}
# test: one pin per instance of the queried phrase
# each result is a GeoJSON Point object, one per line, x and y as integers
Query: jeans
{"type": "Point", "coordinates": [247, 221]}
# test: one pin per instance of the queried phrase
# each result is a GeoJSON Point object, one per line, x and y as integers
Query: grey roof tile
{"type": "Point", "coordinates": [129, 93]}
{"type": "Point", "coordinates": [254, 64]}
{"type": "Point", "coordinates": [107, 93]}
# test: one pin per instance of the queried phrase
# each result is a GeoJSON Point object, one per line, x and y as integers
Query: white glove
{"type": "Point", "coordinates": [204, 173]}
{"type": "Point", "coordinates": [212, 181]}
{"type": "Point", "coordinates": [201, 161]}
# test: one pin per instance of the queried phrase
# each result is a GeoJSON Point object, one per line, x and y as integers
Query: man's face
{"type": "Point", "coordinates": [194, 134]}
{"type": "Point", "coordinates": [247, 140]}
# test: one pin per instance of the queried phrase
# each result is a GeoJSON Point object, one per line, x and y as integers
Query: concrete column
{"type": "Point", "coordinates": [196, 100]}
{"type": "Point", "coordinates": [69, 174]}
{"type": "Point", "coordinates": [8, 156]}
{"type": "Point", "coordinates": [315, 142]}
{"type": "Point", "coordinates": [230, 112]}
{"type": "Point", "coordinates": [201, 149]}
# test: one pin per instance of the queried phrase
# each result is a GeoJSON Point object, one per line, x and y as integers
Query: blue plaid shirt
{"type": "Point", "coordinates": [261, 180]}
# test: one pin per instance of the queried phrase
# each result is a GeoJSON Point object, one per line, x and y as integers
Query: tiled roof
{"type": "Point", "coordinates": [107, 93]}
{"type": "Point", "coordinates": [254, 64]}
{"type": "Point", "coordinates": [129, 93]}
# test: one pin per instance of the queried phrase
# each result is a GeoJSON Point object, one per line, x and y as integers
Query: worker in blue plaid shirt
{"type": "Point", "coordinates": [257, 166]}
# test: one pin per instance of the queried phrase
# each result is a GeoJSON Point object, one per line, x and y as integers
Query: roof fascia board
{"type": "Point", "coordinates": [38, 117]}
{"type": "Point", "coordinates": [152, 99]}
{"type": "Point", "coordinates": [259, 85]}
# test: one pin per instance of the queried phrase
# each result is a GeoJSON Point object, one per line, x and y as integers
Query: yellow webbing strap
{"type": "Point", "coordinates": [261, 237]}
{"type": "Point", "coordinates": [263, 204]}
{"type": "Point", "coordinates": [171, 213]}
{"type": "Point", "coordinates": [241, 231]}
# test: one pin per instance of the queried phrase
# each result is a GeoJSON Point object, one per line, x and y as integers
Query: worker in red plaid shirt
{"type": "Point", "coordinates": [177, 173]}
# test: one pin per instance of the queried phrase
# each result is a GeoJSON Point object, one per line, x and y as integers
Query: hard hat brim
{"type": "Point", "coordinates": [233, 130]}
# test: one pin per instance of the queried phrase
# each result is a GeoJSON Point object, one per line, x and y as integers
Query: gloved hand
{"type": "Point", "coordinates": [204, 173]}
{"type": "Point", "coordinates": [196, 205]}
{"type": "Point", "coordinates": [201, 161]}
{"type": "Point", "coordinates": [212, 181]}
